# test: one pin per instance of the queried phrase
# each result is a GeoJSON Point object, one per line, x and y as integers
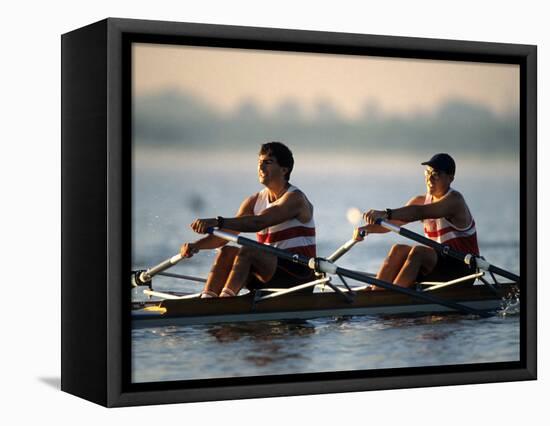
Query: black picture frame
{"type": "Point", "coordinates": [96, 231]}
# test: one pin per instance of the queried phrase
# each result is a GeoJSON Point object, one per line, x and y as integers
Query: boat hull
{"type": "Point", "coordinates": [303, 306]}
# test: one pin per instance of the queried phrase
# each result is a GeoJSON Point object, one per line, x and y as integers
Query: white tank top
{"type": "Point", "coordinates": [443, 231]}
{"type": "Point", "coordinates": [292, 235]}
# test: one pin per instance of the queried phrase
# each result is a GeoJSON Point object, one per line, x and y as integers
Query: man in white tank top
{"type": "Point", "coordinates": [280, 214]}
{"type": "Point", "coordinates": [447, 220]}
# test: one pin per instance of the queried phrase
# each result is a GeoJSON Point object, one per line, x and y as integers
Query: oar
{"type": "Point", "coordinates": [468, 259]}
{"type": "Point", "coordinates": [347, 246]}
{"type": "Point", "coordinates": [183, 277]}
{"type": "Point", "coordinates": [144, 277]}
{"type": "Point", "coordinates": [323, 265]}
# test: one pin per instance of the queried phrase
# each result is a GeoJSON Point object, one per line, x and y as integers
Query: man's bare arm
{"type": "Point", "coordinates": [446, 207]}
{"type": "Point", "coordinates": [289, 206]}
{"type": "Point", "coordinates": [372, 228]}
{"type": "Point", "coordinates": [211, 242]}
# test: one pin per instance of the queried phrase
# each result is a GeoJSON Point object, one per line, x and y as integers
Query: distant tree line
{"type": "Point", "coordinates": [173, 118]}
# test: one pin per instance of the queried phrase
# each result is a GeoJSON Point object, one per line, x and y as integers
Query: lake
{"type": "Point", "coordinates": [171, 188]}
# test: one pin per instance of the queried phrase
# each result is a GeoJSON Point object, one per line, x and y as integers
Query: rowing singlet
{"type": "Point", "coordinates": [443, 231]}
{"type": "Point", "coordinates": [292, 235]}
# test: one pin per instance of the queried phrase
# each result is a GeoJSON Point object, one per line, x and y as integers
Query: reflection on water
{"type": "Point", "coordinates": [262, 331]}
{"type": "Point", "coordinates": [266, 339]}
{"type": "Point", "coordinates": [324, 344]}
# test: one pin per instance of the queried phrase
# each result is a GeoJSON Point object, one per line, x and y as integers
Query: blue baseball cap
{"type": "Point", "coordinates": [442, 162]}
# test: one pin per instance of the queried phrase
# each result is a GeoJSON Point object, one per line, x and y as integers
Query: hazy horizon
{"type": "Point", "coordinates": [211, 97]}
{"type": "Point", "coordinates": [228, 78]}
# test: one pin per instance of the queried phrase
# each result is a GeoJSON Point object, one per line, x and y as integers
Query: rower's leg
{"type": "Point", "coordinates": [220, 271]}
{"type": "Point", "coordinates": [393, 263]}
{"type": "Point", "coordinates": [249, 261]}
{"type": "Point", "coordinates": [420, 258]}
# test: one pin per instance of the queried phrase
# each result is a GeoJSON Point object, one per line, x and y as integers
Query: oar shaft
{"type": "Point", "coordinates": [423, 240]}
{"type": "Point", "coordinates": [183, 277]}
{"type": "Point", "coordinates": [504, 273]}
{"type": "Point", "coordinates": [328, 267]}
{"type": "Point", "coordinates": [412, 293]}
{"type": "Point", "coordinates": [448, 251]}
{"type": "Point", "coordinates": [246, 242]}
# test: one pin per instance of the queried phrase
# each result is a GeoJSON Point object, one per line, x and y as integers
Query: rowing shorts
{"type": "Point", "coordinates": [447, 269]}
{"type": "Point", "coordinates": [288, 274]}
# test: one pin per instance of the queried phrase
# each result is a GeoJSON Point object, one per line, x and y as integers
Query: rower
{"type": "Point", "coordinates": [446, 219]}
{"type": "Point", "coordinates": [280, 214]}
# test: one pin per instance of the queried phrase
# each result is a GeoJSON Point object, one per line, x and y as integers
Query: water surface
{"type": "Point", "coordinates": [171, 189]}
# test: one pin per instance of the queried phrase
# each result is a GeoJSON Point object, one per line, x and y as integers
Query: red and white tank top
{"type": "Point", "coordinates": [443, 231]}
{"type": "Point", "coordinates": [292, 235]}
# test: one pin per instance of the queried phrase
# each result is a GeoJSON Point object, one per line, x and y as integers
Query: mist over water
{"type": "Point", "coordinates": [172, 187]}
{"type": "Point", "coordinates": [171, 118]}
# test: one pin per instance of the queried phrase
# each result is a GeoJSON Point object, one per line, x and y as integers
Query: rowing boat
{"type": "Point", "coordinates": [310, 306]}
{"type": "Point", "coordinates": [328, 299]}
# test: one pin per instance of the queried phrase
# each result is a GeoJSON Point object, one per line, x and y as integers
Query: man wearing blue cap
{"type": "Point", "coordinates": [447, 220]}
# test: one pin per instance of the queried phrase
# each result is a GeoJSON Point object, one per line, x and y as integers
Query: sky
{"type": "Point", "coordinates": [226, 78]}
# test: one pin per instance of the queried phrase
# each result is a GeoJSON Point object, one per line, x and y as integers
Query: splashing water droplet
{"type": "Point", "coordinates": [510, 303]}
